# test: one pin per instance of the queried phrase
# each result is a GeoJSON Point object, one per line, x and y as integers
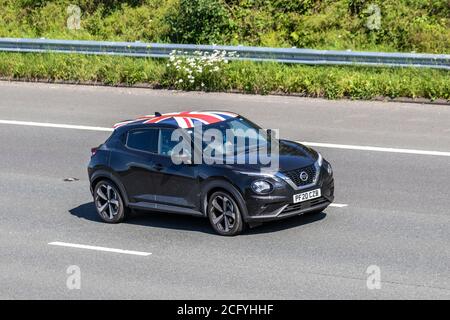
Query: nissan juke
{"type": "Point", "coordinates": [135, 170]}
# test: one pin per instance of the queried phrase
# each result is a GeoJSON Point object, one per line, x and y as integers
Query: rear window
{"type": "Point", "coordinates": [145, 140]}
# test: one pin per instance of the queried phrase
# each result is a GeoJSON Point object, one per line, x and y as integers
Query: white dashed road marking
{"type": "Point", "coordinates": [83, 246]}
{"type": "Point", "coordinates": [338, 205]}
{"type": "Point", "coordinates": [54, 125]}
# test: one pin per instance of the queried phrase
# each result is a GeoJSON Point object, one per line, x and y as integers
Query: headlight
{"type": "Point", "coordinates": [329, 169]}
{"type": "Point", "coordinates": [261, 186]}
{"type": "Point", "coordinates": [319, 159]}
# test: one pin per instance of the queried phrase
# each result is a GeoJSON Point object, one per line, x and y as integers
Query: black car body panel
{"type": "Point", "coordinates": [152, 181]}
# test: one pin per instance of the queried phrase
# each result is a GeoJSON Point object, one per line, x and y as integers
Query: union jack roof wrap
{"type": "Point", "coordinates": [184, 119]}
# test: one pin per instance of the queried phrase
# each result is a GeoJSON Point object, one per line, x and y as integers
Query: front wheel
{"type": "Point", "coordinates": [224, 214]}
{"type": "Point", "coordinates": [109, 203]}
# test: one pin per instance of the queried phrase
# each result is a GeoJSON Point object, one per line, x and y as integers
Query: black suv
{"type": "Point", "coordinates": [135, 169]}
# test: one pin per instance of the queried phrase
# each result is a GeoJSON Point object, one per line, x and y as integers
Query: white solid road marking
{"type": "Point", "coordinates": [312, 144]}
{"type": "Point", "coordinates": [379, 149]}
{"type": "Point", "coordinates": [54, 125]}
{"type": "Point", "coordinates": [338, 205]}
{"type": "Point", "coordinates": [83, 246]}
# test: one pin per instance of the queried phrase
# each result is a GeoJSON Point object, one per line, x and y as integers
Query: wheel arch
{"type": "Point", "coordinates": [222, 185]}
{"type": "Point", "coordinates": [106, 175]}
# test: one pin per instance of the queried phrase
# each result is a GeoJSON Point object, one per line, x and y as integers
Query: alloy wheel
{"type": "Point", "coordinates": [223, 213]}
{"type": "Point", "coordinates": [107, 201]}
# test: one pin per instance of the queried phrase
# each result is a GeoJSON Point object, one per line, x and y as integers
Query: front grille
{"type": "Point", "coordinates": [304, 205]}
{"type": "Point", "coordinates": [294, 175]}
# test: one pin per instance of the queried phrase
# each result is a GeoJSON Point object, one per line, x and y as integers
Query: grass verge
{"type": "Point", "coordinates": [332, 82]}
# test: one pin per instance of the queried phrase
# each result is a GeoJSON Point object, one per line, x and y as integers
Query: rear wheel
{"type": "Point", "coordinates": [224, 214]}
{"type": "Point", "coordinates": [109, 203]}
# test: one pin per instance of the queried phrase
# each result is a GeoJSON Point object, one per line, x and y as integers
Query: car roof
{"type": "Point", "coordinates": [185, 119]}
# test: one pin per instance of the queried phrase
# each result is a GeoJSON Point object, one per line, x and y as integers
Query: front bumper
{"type": "Point", "coordinates": [279, 204]}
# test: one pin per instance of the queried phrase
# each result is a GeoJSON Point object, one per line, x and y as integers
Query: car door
{"type": "Point", "coordinates": [136, 164]}
{"type": "Point", "coordinates": [176, 184]}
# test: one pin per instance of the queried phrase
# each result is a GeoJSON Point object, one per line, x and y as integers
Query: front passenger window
{"type": "Point", "coordinates": [166, 143]}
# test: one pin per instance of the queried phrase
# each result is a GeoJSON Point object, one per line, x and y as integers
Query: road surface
{"type": "Point", "coordinates": [392, 173]}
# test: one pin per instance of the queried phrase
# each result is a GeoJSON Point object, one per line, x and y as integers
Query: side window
{"type": "Point", "coordinates": [145, 140]}
{"type": "Point", "coordinates": [166, 144]}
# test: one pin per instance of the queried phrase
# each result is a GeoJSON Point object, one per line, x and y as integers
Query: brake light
{"type": "Point", "coordinates": [93, 151]}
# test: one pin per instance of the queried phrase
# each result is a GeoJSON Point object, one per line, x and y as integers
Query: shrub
{"type": "Point", "coordinates": [198, 21]}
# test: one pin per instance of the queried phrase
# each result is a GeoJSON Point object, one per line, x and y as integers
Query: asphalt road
{"type": "Point", "coordinates": [397, 215]}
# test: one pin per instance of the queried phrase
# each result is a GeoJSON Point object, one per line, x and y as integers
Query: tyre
{"type": "Point", "coordinates": [224, 214]}
{"type": "Point", "coordinates": [109, 202]}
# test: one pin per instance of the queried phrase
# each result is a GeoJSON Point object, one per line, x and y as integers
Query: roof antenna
{"type": "Point", "coordinates": [157, 114]}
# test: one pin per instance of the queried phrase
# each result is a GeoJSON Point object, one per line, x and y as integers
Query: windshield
{"type": "Point", "coordinates": [233, 136]}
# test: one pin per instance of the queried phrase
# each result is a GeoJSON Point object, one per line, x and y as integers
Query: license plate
{"type": "Point", "coordinates": [305, 196]}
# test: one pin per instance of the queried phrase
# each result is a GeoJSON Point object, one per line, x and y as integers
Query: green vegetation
{"type": "Point", "coordinates": [249, 77]}
{"type": "Point", "coordinates": [403, 25]}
